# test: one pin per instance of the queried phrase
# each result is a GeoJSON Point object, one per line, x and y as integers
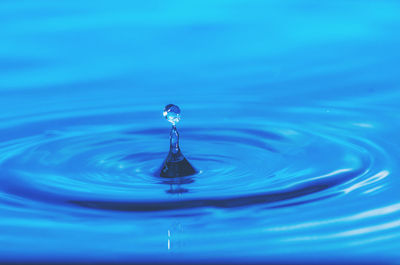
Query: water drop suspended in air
{"type": "Point", "coordinates": [172, 113]}
{"type": "Point", "coordinates": [175, 165]}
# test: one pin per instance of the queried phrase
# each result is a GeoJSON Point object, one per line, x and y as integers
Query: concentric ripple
{"type": "Point", "coordinates": [113, 167]}
{"type": "Point", "coordinates": [100, 164]}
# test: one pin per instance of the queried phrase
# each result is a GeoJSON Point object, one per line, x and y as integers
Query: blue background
{"type": "Point", "coordinates": [324, 75]}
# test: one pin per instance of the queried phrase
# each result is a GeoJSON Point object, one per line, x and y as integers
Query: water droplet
{"type": "Point", "coordinates": [172, 113]}
{"type": "Point", "coordinates": [175, 165]}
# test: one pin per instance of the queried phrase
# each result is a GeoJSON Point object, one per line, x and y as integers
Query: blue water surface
{"type": "Point", "coordinates": [290, 113]}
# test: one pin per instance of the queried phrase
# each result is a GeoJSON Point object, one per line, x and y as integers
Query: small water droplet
{"type": "Point", "coordinates": [175, 165]}
{"type": "Point", "coordinates": [172, 113]}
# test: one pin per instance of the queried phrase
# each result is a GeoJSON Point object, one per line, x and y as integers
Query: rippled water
{"type": "Point", "coordinates": [290, 113]}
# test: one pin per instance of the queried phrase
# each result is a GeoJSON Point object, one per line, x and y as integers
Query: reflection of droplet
{"type": "Point", "coordinates": [175, 165]}
{"type": "Point", "coordinates": [172, 113]}
{"type": "Point", "coordinates": [169, 240]}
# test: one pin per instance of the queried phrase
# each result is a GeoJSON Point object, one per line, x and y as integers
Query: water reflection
{"type": "Point", "coordinates": [176, 184]}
